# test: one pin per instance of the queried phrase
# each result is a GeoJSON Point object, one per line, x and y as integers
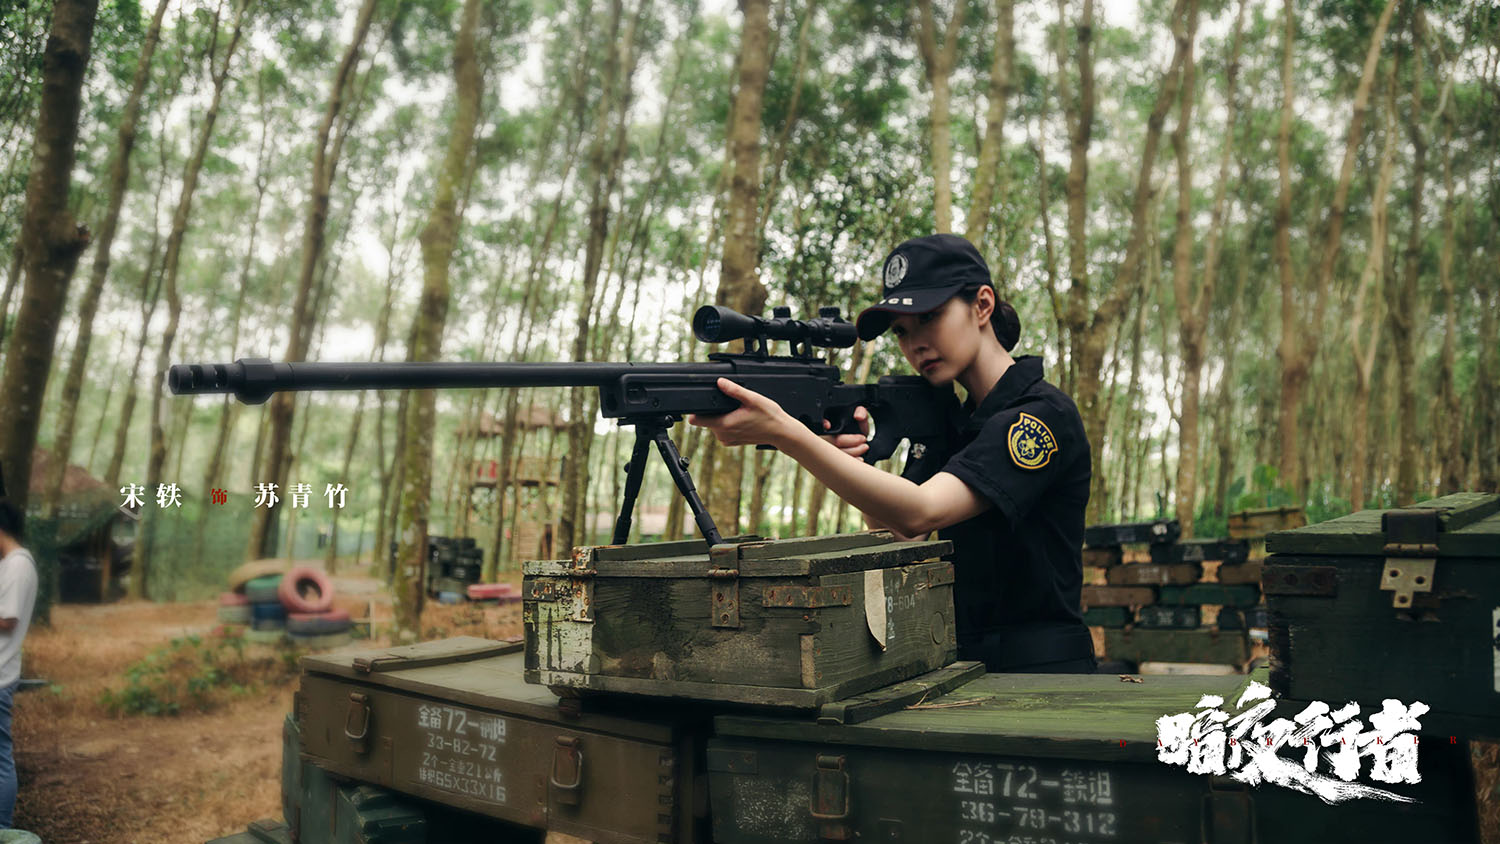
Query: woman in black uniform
{"type": "Point", "coordinates": [1008, 489]}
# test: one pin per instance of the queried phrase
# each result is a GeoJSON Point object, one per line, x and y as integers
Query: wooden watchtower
{"type": "Point", "coordinates": [533, 479]}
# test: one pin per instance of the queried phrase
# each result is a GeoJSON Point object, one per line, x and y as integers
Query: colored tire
{"type": "Point", "coordinates": [306, 590]}
{"type": "Point", "coordinates": [239, 614]}
{"type": "Point", "coordinates": [268, 611]}
{"type": "Point", "coordinates": [233, 599]}
{"type": "Point", "coordinates": [255, 569]}
{"type": "Point", "coordinates": [263, 590]}
{"type": "Point", "coordinates": [317, 624]}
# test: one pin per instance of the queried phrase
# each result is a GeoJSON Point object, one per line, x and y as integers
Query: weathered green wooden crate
{"type": "Point", "coordinates": [1254, 524]}
{"type": "Point", "coordinates": [1140, 644]}
{"type": "Point", "coordinates": [1102, 557]}
{"type": "Point", "coordinates": [1117, 596]}
{"type": "Point", "coordinates": [1198, 594]}
{"type": "Point", "coordinates": [1039, 758]}
{"type": "Point", "coordinates": [1106, 616]}
{"type": "Point", "coordinates": [792, 623]}
{"type": "Point", "coordinates": [1153, 574]}
{"type": "Point", "coordinates": [1401, 604]}
{"type": "Point", "coordinates": [1227, 551]}
{"type": "Point", "coordinates": [452, 722]}
{"type": "Point", "coordinates": [1169, 617]}
{"type": "Point", "coordinates": [1155, 532]}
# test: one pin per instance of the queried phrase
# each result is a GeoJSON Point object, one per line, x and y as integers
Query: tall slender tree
{"type": "Point", "coordinates": [439, 236]}
{"type": "Point", "coordinates": [51, 239]}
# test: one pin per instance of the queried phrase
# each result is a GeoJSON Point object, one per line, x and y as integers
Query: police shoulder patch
{"type": "Point", "coordinates": [1031, 442]}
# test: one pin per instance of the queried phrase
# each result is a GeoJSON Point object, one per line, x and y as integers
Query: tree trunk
{"type": "Point", "coordinates": [1192, 305]}
{"type": "Point", "coordinates": [1299, 344]}
{"type": "Point", "coordinates": [1002, 72]}
{"type": "Point", "coordinates": [1090, 328]}
{"type": "Point", "coordinates": [51, 240]}
{"type": "Point", "coordinates": [1450, 439]}
{"type": "Point", "coordinates": [606, 152]}
{"type": "Point", "coordinates": [438, 238]}
{"type": "Point", "coordinates": [141, 560]}
{"type": "Point", "coordinates": [325, 166]}
{"type": "Point", "coordinates": [739, 288]}
{"type": "Point", "coordinates": [937, 61]}
{"type": "Point", "coordinates": [119, 174]}
{"type": "Point", "coordinates": [1402, 304]}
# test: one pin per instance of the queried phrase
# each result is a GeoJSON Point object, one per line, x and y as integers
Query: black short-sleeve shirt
{"type": "Point", "coordinates": [1018, 566]}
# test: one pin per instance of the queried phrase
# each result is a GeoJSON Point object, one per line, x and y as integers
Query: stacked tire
{"type": "Point", "coordinates": [312, 622]}
{"type": "Point", "coordinates": [274, 605]}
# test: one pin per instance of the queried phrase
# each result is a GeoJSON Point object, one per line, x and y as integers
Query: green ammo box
{"type": "Point", "coordinates": [1040, 758]}
{"type": "Point", "coordinates": [452, 722]}
{"type": "Point", "coordinates": [794, 623]}
{"type": "Point", "coordinates": [1401, 604]}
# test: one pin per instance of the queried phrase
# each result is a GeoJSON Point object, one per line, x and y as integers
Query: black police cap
{"type": "Point", "coordinates": [919, 276]}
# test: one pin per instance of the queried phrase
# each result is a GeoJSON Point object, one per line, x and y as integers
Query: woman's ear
{"type": "Point", "coordinates": [984, 305]}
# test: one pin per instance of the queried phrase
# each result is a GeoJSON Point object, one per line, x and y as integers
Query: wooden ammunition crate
{"type": "Point", "coordinates": [1227, 551]}
{"type": "Point", "coordinates": [1159, 531]}
{"type": "Point", "coordinates": [1040, 758]}
{"type": "Point", "coordinates": [453, 722]}
{"type": "Point", "coordinates": [792, 623]}
{"type": "Point", "coordinates": [1401, 604]}
{"type": "Point", "coordinates": [1254, 524]}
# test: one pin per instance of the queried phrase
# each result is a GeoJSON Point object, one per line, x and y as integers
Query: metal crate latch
{"type": "Point", "coordinates": [566, 778]}
{"type": "Point", "coordinates": [830, 798]}
{"type": "Point", "coordinates": [357, 722]}
{"type": "Point", "coordinates": [724, 585]}
{"type": "Point", "coordinates": [1410, 553]}
{"type": "Point", "coordinates": [1228, 812]}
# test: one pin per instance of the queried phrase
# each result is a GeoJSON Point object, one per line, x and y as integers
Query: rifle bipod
{"type": "Point", "coordinates": [656, 430]}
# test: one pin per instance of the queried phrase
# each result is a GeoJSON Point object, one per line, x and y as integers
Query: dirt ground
{"type": "Point", "coordinates": [87, 777]}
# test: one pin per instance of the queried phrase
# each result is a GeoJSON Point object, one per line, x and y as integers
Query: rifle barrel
{"type": "Point", "coordinates": [253, 380]}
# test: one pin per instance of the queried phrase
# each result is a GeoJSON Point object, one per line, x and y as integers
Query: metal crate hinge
{"type": "Point", "coordinates": [724, 585]}
{"type": "Point", "coordinates": [1228, 812]}
{"type": "Point", "coordinates": [566, 777]}
{"type": "Point", "coordinates": [1410, 553]}
{"type": "Point", "coordinates": [830, 798]}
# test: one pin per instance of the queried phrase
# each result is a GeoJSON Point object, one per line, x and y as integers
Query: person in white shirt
{"type": "Point", "coordinates": [17, 598]}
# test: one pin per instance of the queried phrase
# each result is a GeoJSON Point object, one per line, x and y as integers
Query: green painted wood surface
{"type": "Point", "coordinates": [1359, 647]}
{"type": "Point", "coordinates": [1169, 617]}
{"type": "Point", "coordinates": [1140, 644]}
{"type": "Point", "coordinates": [1201, 550]}
{"type": "Point", "coordinates": [1106, 616]}
{"type": "Point", "coordinates": [767, 558]}
{"type": "Point", "coordinates": [1078, 715]}
{"type": "Point", "coordinates": [1470, 528]}
{"type": "Point", "coordinates": [1223, 594]}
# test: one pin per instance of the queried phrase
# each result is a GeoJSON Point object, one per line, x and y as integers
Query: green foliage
{"type": "Point", "coordinates": [197, 673]}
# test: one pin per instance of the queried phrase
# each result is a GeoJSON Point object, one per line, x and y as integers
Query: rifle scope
{"type": "Point", "coordinates": [718, 324]}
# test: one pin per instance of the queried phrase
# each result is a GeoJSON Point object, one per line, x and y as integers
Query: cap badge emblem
{"type": "Point", "coordinates": [895, 270]}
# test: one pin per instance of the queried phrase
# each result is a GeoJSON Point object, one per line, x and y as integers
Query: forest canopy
{"type": "Point", "coordinates": [1255, 241]}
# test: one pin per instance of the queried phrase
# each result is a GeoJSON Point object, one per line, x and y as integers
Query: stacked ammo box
{"type": "Point", "coordinates": [1159, 598]}
{"type": "Point", "coordinates": [453, 563]}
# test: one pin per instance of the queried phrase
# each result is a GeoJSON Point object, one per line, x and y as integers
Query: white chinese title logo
{"type": "Point", "coordinates": [1211, 741]}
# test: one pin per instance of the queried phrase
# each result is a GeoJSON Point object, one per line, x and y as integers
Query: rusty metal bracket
{"type": "Point", "coordinates": [1410, 553]}
{"type": "Point", "coordinates": [358, 713]}
{"type": "Point", "coordinates": [566, 776]}
{"type": "Point", "coordinates": [582, 599]}
{"type": "Point", "coordinates": [1300, 580]}
{"type": "Point", "coordinates": [724, 586]}
{"type": "Point", "coordinates": [939, 576]}
{"type": "Point", "coordinates": [829, 804]}
{"type": "Point", "coordinates": [807, 597]}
